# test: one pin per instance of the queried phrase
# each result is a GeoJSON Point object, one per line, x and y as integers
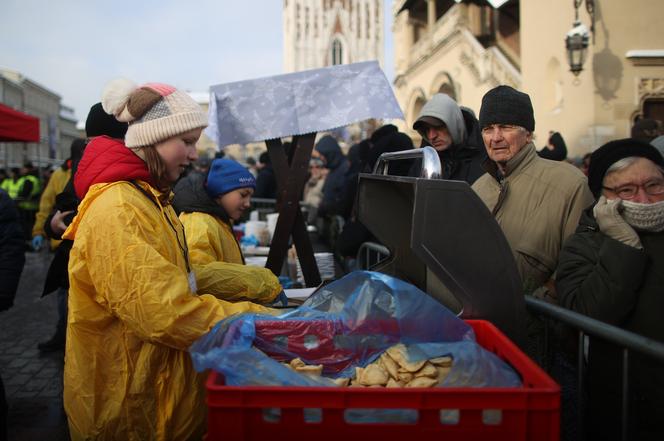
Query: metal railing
{"type": "Point", "coordinates": [371, 253]}
{"type": "Point", "coordinates": [627, 341]}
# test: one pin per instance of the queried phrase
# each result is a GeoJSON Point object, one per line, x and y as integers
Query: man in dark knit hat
{"type": "Point", "coordinates": [536, 202]}
{"type": "Point", "coordinates": [611, 270]}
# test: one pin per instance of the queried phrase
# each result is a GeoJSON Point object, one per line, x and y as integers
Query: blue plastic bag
{"type": "Point", "coordinates": [248, 241]}
{"type": "Point", "coordinates": [345, 324]}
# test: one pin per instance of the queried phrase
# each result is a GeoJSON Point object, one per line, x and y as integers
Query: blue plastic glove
{"type": "Point", "coordinates": [281, 298]}
{"type": "Point", "coordinates": [285, 282]}
{"type": "Point", "coordinates": [37, 242]}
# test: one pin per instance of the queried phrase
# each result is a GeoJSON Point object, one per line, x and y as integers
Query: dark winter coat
{"type": "Point", "coordinates": [335, 182]}
{"type": "Point", "coordinates": [58, 275]}
{"type": "Point", "coordinates": [559, 152]}
{"type": "Point", "coordinates": [190, 196]}
{"type": "Point", "coordinates": [623, 286]}
{"type": "Point", "coordinates": [463, 162]}
{"type": "Point", "coordinates": [386, 139]}
{"type": "Point", "coordinates": [266, 183]}
{"type": "Point", "coordinates": [12, 250]}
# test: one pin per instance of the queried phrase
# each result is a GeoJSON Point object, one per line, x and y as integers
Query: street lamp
{"type": "Point", "coordinates": [576, 44]}
{"type": "Point", "coordinates": [577, 39]}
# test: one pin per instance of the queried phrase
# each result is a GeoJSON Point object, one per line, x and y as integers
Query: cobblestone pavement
{"type": "Point", "coordinates": [33, 382]}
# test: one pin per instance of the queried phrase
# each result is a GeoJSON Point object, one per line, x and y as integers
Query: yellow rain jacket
{"type": "Point", "coordinates": [217, 261]}
{"type": "Point", "coordinates": [132, 316]}
{"type": "Point", "coordinates": [55, 185]}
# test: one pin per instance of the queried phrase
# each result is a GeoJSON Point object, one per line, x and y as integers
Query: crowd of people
{"type": "Point", "coordinates": [146, 261]}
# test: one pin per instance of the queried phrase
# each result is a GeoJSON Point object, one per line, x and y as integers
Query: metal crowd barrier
{"type": "Point", "coordinates": [371, 253]}
{"type": "Point", "coordinates": [627, 341]}
{"type": "Point", "coordinates": [264, 206]}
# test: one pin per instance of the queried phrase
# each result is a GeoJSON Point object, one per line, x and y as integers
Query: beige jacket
{"type": "Point", "coordinates": [538, 205]}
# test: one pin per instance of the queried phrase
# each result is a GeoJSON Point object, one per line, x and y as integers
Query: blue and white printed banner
{"type": "Point", "coordinates": [298, 103]}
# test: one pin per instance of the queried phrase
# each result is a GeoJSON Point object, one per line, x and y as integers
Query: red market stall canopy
{"type": "Point", "coordinates": [17, 126]}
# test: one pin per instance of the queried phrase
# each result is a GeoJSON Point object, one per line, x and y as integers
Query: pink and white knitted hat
{"type": "Point", "coordinates": [154, 111]}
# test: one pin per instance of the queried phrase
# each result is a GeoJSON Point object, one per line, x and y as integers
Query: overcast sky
{"type": "Point", "coordinates": [74, 47]}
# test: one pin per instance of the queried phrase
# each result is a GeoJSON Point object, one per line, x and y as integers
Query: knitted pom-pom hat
{"type": "Point", "coordinates": [155, 112]}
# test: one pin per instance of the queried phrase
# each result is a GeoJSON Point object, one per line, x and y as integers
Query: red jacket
{"type": "Point", "coordinates": [108, 160]}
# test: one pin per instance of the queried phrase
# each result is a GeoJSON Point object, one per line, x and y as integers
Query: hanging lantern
{"type": "Point", "coordinates": [576, 43]}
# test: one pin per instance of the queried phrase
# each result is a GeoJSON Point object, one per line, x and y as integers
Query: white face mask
{"type": "Point", "coordinates": [644, 217]}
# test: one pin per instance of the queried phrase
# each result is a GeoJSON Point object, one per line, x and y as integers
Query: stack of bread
{"type": "Point", "coordinates": [391, 369]}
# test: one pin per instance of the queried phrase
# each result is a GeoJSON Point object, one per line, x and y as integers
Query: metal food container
{"type": "Point", "coordinates": [443, 239]}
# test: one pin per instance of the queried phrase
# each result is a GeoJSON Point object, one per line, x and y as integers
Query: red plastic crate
{"type": "Point", "coordinates": [530, 412]}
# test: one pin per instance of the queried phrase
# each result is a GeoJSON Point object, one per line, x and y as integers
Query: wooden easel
{"type": "Point", "coordinates": [291, 174]}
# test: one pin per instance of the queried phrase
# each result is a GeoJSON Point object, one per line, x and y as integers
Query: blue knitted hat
{"type": "Point", "coordinates": [227, 175]}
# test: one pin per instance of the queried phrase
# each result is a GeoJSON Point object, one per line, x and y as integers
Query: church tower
{"type": "Point", "coordinates": [319, 33]}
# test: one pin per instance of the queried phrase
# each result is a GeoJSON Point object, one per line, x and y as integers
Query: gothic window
{"type": "Point", "coordinates": [306, 21]}
{"type": "Point", "coordinates": [337, 52]}
{"type": "Point", "coordinates": [316, 25]}
{"type": "Point", "coordinates": [297, 21]}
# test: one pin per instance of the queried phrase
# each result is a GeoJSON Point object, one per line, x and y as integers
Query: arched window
{"type": "Point", "coordinates": [447, 89]}
{"type": "Point", "coordinates": [654, 108]}
{"type": "Point", "coordinates": [337, 52]}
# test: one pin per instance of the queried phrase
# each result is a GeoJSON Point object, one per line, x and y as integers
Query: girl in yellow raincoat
{"type": "Point", "coordinates": [134, 307]}
{"type": "Point", "coordinates": [207, 209]}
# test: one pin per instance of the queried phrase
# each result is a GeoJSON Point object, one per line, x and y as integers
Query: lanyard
{"type": "Point", "coordinates": [183, 248]}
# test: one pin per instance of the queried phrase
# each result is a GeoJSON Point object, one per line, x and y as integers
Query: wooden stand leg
{"type": "Point", "coordinates": [290, 183]}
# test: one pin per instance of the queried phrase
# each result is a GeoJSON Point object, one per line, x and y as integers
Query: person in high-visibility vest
{"type": "Point", "coordinates": [55, 186]}
{"type": "Point", "coordinates": [11, 184]}
{"type": "Point", "coordinates": [28, 197]}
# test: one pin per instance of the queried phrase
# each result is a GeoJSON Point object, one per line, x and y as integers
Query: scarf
{"type": "Point", "coordinates": [644, 217]}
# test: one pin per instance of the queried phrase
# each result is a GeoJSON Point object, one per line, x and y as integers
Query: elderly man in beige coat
{"type": "Point", "coordinates": [536, 202]}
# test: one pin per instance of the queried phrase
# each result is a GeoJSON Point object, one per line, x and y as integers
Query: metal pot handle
{"type": "Point", "coordinates": [431, 168]}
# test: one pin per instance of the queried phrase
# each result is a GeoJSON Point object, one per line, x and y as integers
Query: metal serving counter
{"type": "Point", "coordinates": [444, 240]}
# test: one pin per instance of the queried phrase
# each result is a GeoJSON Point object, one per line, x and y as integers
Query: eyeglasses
{"type": "Point", "coordinates": [629, 191]}
{"type": "Point", "coordinates": [503, 128]}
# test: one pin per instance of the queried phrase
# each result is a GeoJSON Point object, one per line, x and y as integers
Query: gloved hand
{"type": "Point", "coordinates": [611, 223]}
{"type": "Point", "coordinates": [37, 242]}
{"type": "Point", "coordinates": [281, 298]}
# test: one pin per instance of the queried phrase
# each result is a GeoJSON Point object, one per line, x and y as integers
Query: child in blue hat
{"type": "Point", "coordinates": [231, 186]}
{"type": "Point", "coordinates": [207, 207]}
